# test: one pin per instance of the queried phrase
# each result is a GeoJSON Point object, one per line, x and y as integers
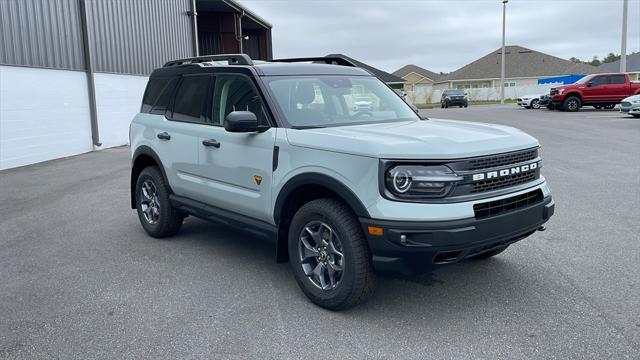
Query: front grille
{"type": "Point", "coordinates": [504, 182]}
{"type": "Point", "coordinates": [501, 160]}
{"type": "Point", "coordinates": [502, 206]}
{"type": "Point", "coordinates": [625, 103]}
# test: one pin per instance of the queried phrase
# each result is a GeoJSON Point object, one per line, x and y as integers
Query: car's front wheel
{"type": "Point", "coordinates": [329, 255]}
{"type": "Point", "coordinates": [535, 104]}
{"type": "Point", "coordinates": [572, 103]}
{"type": "Point", "coordinates": [158, 218]}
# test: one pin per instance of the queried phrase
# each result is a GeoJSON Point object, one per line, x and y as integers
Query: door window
{"type": "Point", "coordinates": [599, 80]}
{"type": "Point", "coordinates": [236, 93]}
{"type": "Point", "coordinates": [190, 99]}
{"type": "Point", "coordinates": [617, 79]}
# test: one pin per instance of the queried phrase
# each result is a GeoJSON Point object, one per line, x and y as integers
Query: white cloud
{"type": "Point", "coordinates": [444, 35]}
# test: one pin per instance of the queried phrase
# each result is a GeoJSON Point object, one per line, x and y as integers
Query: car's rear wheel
{"type": "Point", "coordinates": [491, 253]}
{"type": "Point", "coordinates": [158, 218]}
{"type": "Point", "coordinates": [572, 103]}
{"type": "Point", "coordinates": [535, 104]}
{"type": "Point", "coordinates": [329, 255]}
{"type": "Point", "coordinates": [610, 106]}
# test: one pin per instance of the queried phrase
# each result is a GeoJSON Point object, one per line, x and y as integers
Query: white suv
{"type": "Point", "coordinates": [278, 149]}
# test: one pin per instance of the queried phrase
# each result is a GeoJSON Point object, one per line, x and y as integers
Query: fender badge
{"type": "Point", "coordinates": [258, 179]}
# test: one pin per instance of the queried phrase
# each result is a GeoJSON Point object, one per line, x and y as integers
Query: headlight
{"type": "Point", "coordinates": [636, 101]}
{"type": "Point", "coordinates": [417, 181]}
{"type": "Point", "coordinates": [560, 91]}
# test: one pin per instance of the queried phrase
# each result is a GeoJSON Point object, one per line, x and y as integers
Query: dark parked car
{"type": "Point", "coordinates": [545, 100]}
{"type": "Point", "coordinates": [453, 98]}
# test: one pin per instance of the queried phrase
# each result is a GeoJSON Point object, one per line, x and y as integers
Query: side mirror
{"type": "Point", "coordinates": [241, 121]}
{"type": "Point", "coordinates": [590, 84]}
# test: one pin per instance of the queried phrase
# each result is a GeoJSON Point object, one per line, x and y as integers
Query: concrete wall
{"type": "Point", "coordinates": [118, 99]}
{"type": "Point", "coordinates": [44, 115]}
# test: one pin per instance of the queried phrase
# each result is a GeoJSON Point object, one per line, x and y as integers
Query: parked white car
{"type": "Point", "coordinates": [631, 105]}
{"type": "Point", "coordinates": [529, 101]}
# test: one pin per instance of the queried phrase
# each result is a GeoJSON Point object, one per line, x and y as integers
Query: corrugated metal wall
{"type": "Point", "coordinates": [125, 36]}
{"type": "Point", "coordinates": [137, 36]}
{"type": "Point", "coordinates": [41, 33]}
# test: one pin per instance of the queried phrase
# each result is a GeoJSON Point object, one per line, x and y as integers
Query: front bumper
{"type": "Point", "coordinates": [409, 247]}
{"type": "Point", "coordinates": [456, 102]}
{"type": "Point", "coordinates": [635, 109]}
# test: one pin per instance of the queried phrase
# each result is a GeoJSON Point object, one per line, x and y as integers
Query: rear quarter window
{"type": "Point", "coordinates": [158, 95]}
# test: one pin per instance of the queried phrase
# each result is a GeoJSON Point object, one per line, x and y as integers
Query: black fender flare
{"type": "Point", "coordinates": [144, 150]}
{"type": "Point", "coordinates": [319, 179]}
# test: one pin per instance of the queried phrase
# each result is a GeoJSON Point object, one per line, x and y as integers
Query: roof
{"type": "Point", "coordinates": [408, 69]}
{"type": "Point", "coordinates": [520, 62]}
{"type": "Point", "coordinates": [633, 64]}
{"type": "Point", "coordinates": [382, 75]}
{"type": "Point", "coordinates": [232, 6]}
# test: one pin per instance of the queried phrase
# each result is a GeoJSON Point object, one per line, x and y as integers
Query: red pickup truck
{"type": "Point", "coordinates": [597, 90]}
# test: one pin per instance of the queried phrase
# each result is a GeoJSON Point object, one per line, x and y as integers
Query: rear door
{"type": "Point", "coordinates": [618, 87]}
{"type": "Point", "coordinates": [176, 139]}
{"type": "Point", "coordinates": [236, 168]}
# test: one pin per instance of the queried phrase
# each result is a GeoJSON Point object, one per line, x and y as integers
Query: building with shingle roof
{"type": "Point", "coordinates": [523, 67]}
{"type": "Point", "coordinates": [633, 66]}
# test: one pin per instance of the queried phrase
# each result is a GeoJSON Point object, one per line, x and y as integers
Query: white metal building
{"type": "Point", "coordinates": [72, 72]}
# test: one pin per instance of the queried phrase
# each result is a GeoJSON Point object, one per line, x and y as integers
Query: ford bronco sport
{"type": "Point", "coordinates": [281, 150]}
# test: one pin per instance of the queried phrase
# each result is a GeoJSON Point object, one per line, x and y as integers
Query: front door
{"type": "Point", "coordinates": [596, 89]}
{"type": "Point", "coordinates": [237, 167]}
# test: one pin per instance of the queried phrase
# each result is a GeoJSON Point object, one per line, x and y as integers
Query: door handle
{"type": "Point", "coordinates": [164, 136]}
{"type": "Point", "coordinates": [211, 142]}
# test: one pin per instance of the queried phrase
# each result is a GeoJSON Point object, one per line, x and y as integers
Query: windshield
{"type": "Point", "coordinates": [584, 79]}
{"type": "Point", "coordinates": [322, 101]}
{"type": "Point", "coordinates": [453, 92]}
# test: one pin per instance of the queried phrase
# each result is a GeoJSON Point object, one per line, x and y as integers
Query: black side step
{"type": "Point", "coordinates": [225, 217]}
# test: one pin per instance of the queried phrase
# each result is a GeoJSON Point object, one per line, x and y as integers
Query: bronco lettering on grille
{"type": "Point", "coordinates": [505, 172]}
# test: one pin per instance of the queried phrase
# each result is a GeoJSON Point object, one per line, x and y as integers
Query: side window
{"type": "Point", "coordinates": [236, 93]}
{"type": "Point", "coordinates": [617, 79]}
{"type": "Point", "coordinates": [190, 99]}
{"type": "Point", "coordinates": [164, 99]}
{"type": "Point", "coordinates": [599, 80]}
{"type": "Point", "coordinates": [158, 95]}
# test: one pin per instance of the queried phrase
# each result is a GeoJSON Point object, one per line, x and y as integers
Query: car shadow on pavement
{"type": "Point", "coordinates": [484, 279]}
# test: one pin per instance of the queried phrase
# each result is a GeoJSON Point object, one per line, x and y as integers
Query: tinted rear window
{"type": "Point", "coordinates": [617, 79]}
{"type": "Point", "coordinates": [158, 95]}
{"type": "Point", "coordinates": [190, 98]}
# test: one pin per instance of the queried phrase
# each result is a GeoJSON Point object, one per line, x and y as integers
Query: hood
{"type": "Point", "coordinates": [632, 98]}
{"type": "Point", "coordinates": [419, 139]}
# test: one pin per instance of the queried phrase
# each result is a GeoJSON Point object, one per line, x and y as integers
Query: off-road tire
{"type": "Point", "coordinates": [170, 220]}
{"type": "Point", "coordinates": [358, 277]}
{"type": "Point", "coordinates": [489, 254]}
{"type": "Point", "coordinates": [572, 104]}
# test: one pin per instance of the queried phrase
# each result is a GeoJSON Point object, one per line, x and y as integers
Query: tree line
{"type": "Point", "coordinates": [595, 61]}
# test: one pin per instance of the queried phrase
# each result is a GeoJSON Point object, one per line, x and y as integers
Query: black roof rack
{"type": "Point", "coordinates": [324, 59]}
{"type": "Point", "coordinates": [234, 59]}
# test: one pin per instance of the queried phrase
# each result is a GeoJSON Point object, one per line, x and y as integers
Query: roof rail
{"type": "Point", "coordinates": [324, 59]}
{"type": "Point", "coordinates": [234, 59]}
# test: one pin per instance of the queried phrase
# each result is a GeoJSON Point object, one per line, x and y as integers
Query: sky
{"type": "Point", "coordinates": [443, 36]}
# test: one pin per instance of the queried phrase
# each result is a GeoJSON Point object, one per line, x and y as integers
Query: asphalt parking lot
{"type": "Point", "coordinates": [79, 279]}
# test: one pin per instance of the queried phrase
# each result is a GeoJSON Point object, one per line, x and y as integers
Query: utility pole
{"type": "Point", "coordinates": [623, 50]}
{"type": "Point", "coordinates": [504, 22]}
